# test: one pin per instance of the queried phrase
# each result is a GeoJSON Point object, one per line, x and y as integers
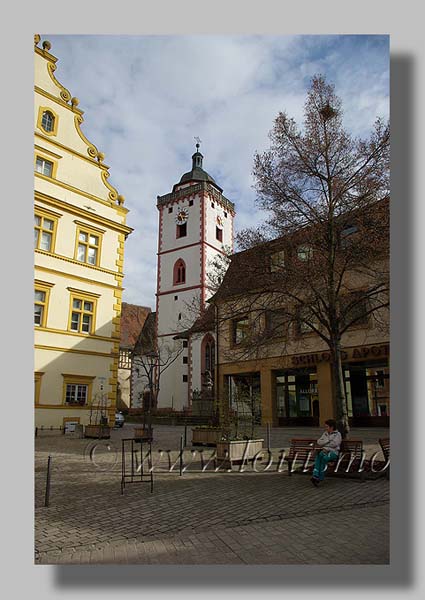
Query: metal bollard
{"type": "Point", "coordinates": [185, 436]}
{"type": "Point", "coordinates": [47, 494]}
{"type": "Point", "coordinates": [181, 455]}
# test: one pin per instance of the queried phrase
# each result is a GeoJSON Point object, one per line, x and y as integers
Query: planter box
{"type": "Point", "coordinates": [97, 431]}
{"type": "Point", "coordinates": [236, 451]}
{"type": "Point", "coordinates": [142, 434]}
{"type": "Point", "coordinates": [205, 436]}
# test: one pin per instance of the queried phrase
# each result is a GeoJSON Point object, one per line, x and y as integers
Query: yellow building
{"type": "Point", "coordinates": [79, 234]}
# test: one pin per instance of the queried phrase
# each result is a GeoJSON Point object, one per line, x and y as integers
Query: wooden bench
{"type": "Point", "coordinates": [385, 447]}
{"type": "Point", "coordinates": [302, 452]}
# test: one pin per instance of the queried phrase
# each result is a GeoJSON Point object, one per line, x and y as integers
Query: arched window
{"type": "Point", "coordinates": [48, 121]}
{"type": "Point", "coordinates": [208, 355]}
{"type": "Point", "coordinates": [179, 275]}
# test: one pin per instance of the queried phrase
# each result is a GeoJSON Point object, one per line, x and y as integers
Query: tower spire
{"type": "Point", "coordinates": [197, 157]}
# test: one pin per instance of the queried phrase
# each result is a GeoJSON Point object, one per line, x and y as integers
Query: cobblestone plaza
{"type": "Point", "coordinates": [202, 517]}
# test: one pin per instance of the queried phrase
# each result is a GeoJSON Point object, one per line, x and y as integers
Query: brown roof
{"type": "Point", "coordinates": [133, 318]}
{"type": "Point", "coordinates": [250, 269]}
{"type": "Point", "coordinates": [205, 322]}
{"type": "Point", "coordinates": [146, 340]}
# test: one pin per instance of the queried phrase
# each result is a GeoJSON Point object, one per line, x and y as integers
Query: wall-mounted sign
{"type": "Point", "coordinates": [363, 352]}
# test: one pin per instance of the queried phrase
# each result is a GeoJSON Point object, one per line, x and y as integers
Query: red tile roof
{"type": "Point", "coordinates": [133, 318]}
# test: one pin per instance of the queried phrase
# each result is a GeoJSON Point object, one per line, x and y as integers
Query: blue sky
{"type": "Point", "coordinates": [145, 98]}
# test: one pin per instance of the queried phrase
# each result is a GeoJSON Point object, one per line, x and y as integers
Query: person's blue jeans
{"type": "Point", "coordinates": [320, 462]}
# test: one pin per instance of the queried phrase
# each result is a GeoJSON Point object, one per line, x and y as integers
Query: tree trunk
{"type": "Point", "coordinates": [339, 389]}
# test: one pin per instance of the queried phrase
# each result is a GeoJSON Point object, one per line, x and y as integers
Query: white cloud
{"type": "Point", "coordinates": [146, 97]}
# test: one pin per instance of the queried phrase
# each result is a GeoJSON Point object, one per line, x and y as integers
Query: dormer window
{"type": "Point", "coordinates": [349, 230]}
{"type": "Point", "coordinates": [48, 121]}
{"type": "Point", "coordinates": [346, 235]}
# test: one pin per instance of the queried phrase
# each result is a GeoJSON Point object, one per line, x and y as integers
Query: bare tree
{"type": "Point", "coordinates": [217, 267]}
{"type": "Point", "coordinates": [321, 258]}
{"type": "Point", "coordinates": [150, 359]}
{"type": "Point", "coordinates": [152, 364]}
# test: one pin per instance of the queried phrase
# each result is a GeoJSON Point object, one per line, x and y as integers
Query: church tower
{"type": "Point", "coordinates": [195, 225]}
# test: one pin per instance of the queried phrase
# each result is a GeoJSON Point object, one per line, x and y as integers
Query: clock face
{"type": "Point", "coordinates": [182, 216]}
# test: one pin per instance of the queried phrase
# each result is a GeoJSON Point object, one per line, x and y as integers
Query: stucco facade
{"type": "Point", "coordinates": [287, 367]}
{"type": "Point", "coordinates": [79, 235]}
{"type": "Point", "coordinates": [195, 225]}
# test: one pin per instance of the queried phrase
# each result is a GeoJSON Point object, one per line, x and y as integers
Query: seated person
{"type": "Point", "coordinates": [330, 443]}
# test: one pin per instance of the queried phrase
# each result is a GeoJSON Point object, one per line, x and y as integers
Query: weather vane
{"type": "Point", "coordinates": [198, 141]}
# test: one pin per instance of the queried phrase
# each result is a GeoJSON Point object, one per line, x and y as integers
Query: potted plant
{"type": "Point", "coordinates": [238, 440]}
{"type": "Point", "coordinates": [98, 426]}
{"type": "Point", "coordinates": [207, 435]}
{"type": "Point", "coordinates": [203, 406]}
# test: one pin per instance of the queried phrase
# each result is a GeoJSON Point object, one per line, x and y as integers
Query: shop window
{"type": "Point", "coordinates": [367, 390]}
{"type": "Point", "coordinates": [179, 272]}
{"type": "Point", "coordinates": [380, 379]}
{"type": "Point", "coordinates": [240, 328]}
{"type": "Point", "coordinates": [244, 394]}
{"type": "Point", "coordinates": [297, 394]}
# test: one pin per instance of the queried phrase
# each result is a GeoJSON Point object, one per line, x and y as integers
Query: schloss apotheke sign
{"type": "Point", "coordinates": [363, 352]}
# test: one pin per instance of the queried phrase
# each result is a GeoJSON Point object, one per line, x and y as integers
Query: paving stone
{"type": "Point", "coordinates": [258, 517]}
